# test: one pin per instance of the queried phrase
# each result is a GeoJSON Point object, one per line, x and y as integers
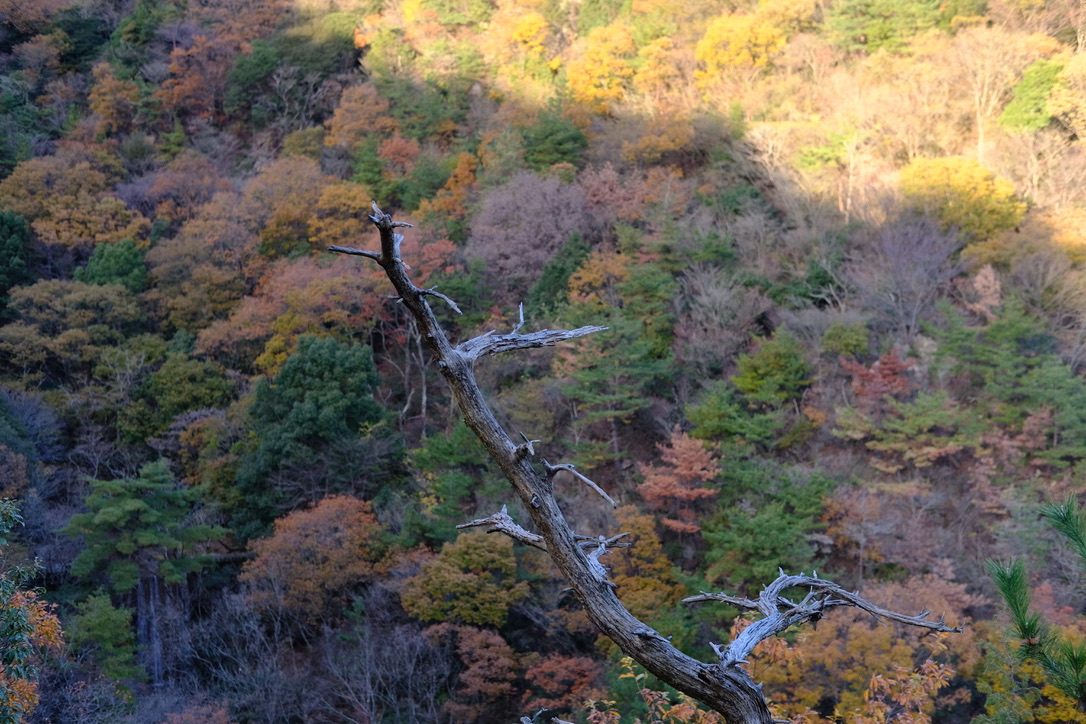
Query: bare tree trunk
{"type": "Point", "coordinates": [723, 685]}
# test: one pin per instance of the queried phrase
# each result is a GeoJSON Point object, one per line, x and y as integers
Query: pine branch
{"type": "Point", "coordinates": [1069, 521]}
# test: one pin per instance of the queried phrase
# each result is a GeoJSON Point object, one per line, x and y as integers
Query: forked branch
{"type": "Point", "coordinates": [780, 613]}
{"type": "Point", "coordinates": [723, 685]}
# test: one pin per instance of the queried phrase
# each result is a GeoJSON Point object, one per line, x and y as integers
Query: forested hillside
{"type": "Point", "coordinates": [839, 246]}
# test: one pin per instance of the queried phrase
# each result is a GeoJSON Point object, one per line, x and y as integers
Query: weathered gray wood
{"type": "Point", "coordinates": [723, 685]}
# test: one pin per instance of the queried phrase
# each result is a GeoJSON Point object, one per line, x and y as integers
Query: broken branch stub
{"type": "Point", "coordinates": [723, 685]}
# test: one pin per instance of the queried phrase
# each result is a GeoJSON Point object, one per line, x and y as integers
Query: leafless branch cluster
{"type": "Point", "coordinates": [780, 613]}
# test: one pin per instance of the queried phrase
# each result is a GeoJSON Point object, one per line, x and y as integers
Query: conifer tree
{"type": "Point", "coordinates": [1063, 659]}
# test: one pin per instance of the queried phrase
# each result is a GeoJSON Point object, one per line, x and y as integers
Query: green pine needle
{"type": "Point", "coordinates": [1069, 520]}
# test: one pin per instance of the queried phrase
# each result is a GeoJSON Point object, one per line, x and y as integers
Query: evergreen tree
{"type": "Point", "coordinates": [118, 263]}
{"type": "Point", "coordinates": [316, 430]}
{"type": "Point", "coordinates": [105, 632]}
{"type": "Point", "coordinates": [553, 139]}
{"type": "Point", "coordinates": [871, 25]}
{"type": "Point", "coordinates": [140, 527]}
{"type": "Point", "coordinates": [1029, 109]}
{"type": "Point", "coordinates": [14, 255]}
{"type": "Point", "coordinates": [1063, 659]}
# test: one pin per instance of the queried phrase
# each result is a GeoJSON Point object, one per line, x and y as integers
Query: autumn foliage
{"type": "Point", "coordinates": [313, 560]}
{"type": "Point", "coordinates": [838, 249]}
{"type": "Point", "coordinates": [675, 486]}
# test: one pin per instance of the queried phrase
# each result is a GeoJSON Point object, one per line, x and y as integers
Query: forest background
{"type": "Point", "coordinates": [839, 247]}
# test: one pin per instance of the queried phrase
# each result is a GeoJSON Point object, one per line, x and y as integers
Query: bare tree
{"type": "Point", "coordinates": [990, 61]}
{"type": "Point", "coordinates": [722, 685]}
{"type": "Point", "coordinates": [902, 267]}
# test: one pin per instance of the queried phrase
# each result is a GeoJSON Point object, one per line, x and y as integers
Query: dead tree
{"type": "Point", "coordinates": [722, 685]}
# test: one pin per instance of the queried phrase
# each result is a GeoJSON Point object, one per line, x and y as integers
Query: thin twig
{"type": "Point", "coordinates": [432, 291]}
{"type": "Point", "coordinates": [781, 614]}
{"type": "Point", "coordinates": [553, 470]}
{"type": "Point", "coordinates": [521, 322]}
{"type": "Point", "coordinates": [501, 522]}
{"type": "Point", "coordinates": [356, 252]}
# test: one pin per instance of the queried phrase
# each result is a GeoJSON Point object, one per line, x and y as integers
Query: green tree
{"type": "Point", "coordinates": [550, 292]}
{"type": "Point", "coordinates": [316, 431]}
{"type": "Point", "coordinates": [774, 373]}
{"type": "Point", "coordinates": [473, 581]}
{"type": "Point", "coordinates": [456, 481]}
{"type": "Point", "coordinates": [140, 527]}
{"type": "Point", "coordinates": [724, 414]}
{"type": "Point", "coordinates": [917, 433]}
{"type": "Point", "coordinates": [243, 83]}
{"type": "Point", "coordinates": [324, 390]}
{"type": "Point", "coordinates": [752, 409]}
{"type": "Point", "coordinates": [117, 263]}
{"type": "Point", "coordinates": [460, 12]}
{"type": "Point", "coordinates": [611, 375]}
{"type": "Point", "coordinates": [552, 139]}
{"type": "Point", "coordinates": [1029, 109]}
{"type": "Point", "coordinates": [427, 177]}
{"type": "Point", "coordinates": [1062, 659]}
{"type": "Point", "coordinates": [105, 632]}
{"type": "Point", "coordinates": [597, 13]}
{"type": "Point", "coordinates": [994, 356]}
{"type": "Point", "coordinates": [14, 255]}
{"type": "Point", "coordinates": [764, 520]}
{"type": "Point", "coordinates": [1012, 370]}
{"type": "Point", "coordinates": [181, 384]}
{"type": "Point", "coordinates": [871, 25]}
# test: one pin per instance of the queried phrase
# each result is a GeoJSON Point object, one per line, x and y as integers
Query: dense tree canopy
{"type": "Point", "coordinates": [838, 248]}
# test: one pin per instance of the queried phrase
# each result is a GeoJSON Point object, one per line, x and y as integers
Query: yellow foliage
{"type": "Point", "coordinates": [642, 572]}
{"type": "Point", "coordinates": [1069, 232]}
{"type": "Point", "coordinates": [793, 15]}
{"type": "Point", "coordinates": [1059, 232]}
{"type": "Point", "coordinates": [963, 195]}
{"type": "Point", "coordinates": [112, 100]}
{"type": "Point", "coordinates": [736, 41]}
{"type": "Point", "coordinates": [18, 693]}
{"type": "Point", "coordinates": [339, 217]}
{"type": "Point", "coordinates": [657, 71]}
{"type": "Point", "coordinates": [597, 280]}
{"type": "Point", "coordinates": [413, 11]}
{"type": "Point", "coordinates": [1022, 688]}
{"type": "Point", "coordinates": [89, 219]}
{"type": "Point", "coordinates": [36, 185]}
{"type": "Point", "coordinates": [839, 659]}
{"type": "Point", "coordinates": [450, 200]}
{"type": "Point", "coordinates": [470, 581]}
{"type": "Point", "coordinates": [361, 112]}
{"type": "Point", "coordinates": [667, 133]}
{"type": "Point", "coordinates": [531, 33]}
{"type": "Point", "coordinates": [599, 78]}
{"type": "Point", "coordinates": [1067, 101]}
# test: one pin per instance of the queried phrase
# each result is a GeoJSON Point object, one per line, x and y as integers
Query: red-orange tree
{"type": "Point", "coordinates": [314, 559]}
{"type": "Point", "coordinates": [675, 486]}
